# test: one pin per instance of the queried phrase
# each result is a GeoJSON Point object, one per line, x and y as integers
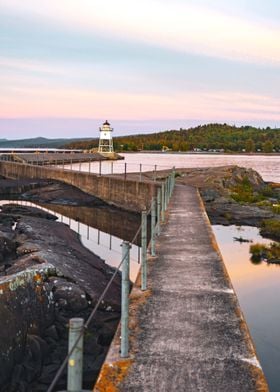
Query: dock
{"type": "Point", "coordinates": [187, 331]}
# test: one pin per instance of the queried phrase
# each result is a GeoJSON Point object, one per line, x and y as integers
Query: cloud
{"type": "Point", "coordinates": [85, 103]}
{"type": "Point", "coordinates": [176, 26]}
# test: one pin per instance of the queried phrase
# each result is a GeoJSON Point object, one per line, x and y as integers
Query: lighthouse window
{"type": "Point", "coordinates": [104, 134]}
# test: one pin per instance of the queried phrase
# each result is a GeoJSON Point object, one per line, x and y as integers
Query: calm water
{"type": "Point", "coordinates": [105, 245]}
{"type": "Point", "coordinates": [258, 291]}
{"type": "Point", "coordinates": [267, 165]}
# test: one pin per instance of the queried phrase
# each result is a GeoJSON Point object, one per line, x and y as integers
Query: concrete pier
{"type": "Point", "coordinates": [187, 332]}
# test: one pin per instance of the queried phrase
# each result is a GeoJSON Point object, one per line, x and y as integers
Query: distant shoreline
{"type": "Point", "coordinates": [200, 153]}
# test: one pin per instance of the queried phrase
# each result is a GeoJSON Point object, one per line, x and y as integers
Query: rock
{"type": "Point", "coordinates": [223, 211]}
{"type": "Point", "coordinates": [18, 210]}
{"type": "Point", "coordinates": [51, 332]}
{"type": "Point", "coordinates": [54, 278]}
{"type": "Point", "coordinates": [69, 296]}
{"type": "Point", "coordinates": [63, 194]}
{"type": "Point", "coordinates": [7, 248]}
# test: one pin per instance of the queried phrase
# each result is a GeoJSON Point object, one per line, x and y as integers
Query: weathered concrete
{"type": "Point", "coordinates": [128, 194]}
{"type": "Point", "coordinates": [187, 332]}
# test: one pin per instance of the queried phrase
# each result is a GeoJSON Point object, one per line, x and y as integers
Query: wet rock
{"type": "Point", "coordinates": [225, 211]}
{"type": "Point", "coordinates": [18, 210]}
{"type": "Point", "coordinates": [51, 332]}
{"type": "Point", "coordinates": [54, 278]}
{"type": "Point", "coordinates": [7, 248]}
{"type": "Point", "coordinates": [69, 296]}
{"type": "Point", "coordinates": [63, 194]}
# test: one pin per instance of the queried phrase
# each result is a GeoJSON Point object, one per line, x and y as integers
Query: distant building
{"type": "Point", "coordinates": [106, 138]}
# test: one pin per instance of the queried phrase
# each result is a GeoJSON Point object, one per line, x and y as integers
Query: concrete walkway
{"type": "Point", "coordinates": [189, 334]}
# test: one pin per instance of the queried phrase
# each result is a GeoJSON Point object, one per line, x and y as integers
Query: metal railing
{"type": "Point", "coordinates": [77, 327]}
{"type": "Point", "coordinates": [92, 165]}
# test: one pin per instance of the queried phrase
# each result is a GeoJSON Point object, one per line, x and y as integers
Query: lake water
{"type": "Point", "coordinates": [267, 165]}
{"type": "Point", "coordinates": [258, 290]}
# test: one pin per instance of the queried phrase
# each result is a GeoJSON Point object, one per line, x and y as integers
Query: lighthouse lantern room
{"type": "Point", "coordinates": [106, 138]}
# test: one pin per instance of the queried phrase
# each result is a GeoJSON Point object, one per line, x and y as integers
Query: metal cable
{"type": "Point", "coordinates": [64, 363]}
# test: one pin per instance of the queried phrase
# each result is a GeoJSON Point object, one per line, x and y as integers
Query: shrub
{"type": "Point", "coordinates": [271, 228]}
{"type": "Point", "coordinates": [271, 252]}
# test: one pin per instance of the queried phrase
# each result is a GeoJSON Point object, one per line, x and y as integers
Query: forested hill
{"type": "Point", "coordinates": [37, 142]}
{"type": "Point", "coordinates": [205, 137]}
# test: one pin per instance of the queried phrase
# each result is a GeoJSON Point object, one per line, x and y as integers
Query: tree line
{"type": "Point", "coordinates": [209, 137]}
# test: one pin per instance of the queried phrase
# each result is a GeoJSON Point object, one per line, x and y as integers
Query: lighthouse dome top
{"type": "Point", "coordinates": [106, 127]}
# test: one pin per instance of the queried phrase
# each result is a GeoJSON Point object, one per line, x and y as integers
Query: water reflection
{"type": "Point", "coordinates": [258, 290]}
{"type": "Point", "coordinates": [101, 230]}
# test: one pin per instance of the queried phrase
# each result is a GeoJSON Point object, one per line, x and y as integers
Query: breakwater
{"type": "Point", "coordinates": [129, 194]}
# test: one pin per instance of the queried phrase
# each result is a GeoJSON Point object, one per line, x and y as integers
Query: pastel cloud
{"type": "Point", "coordinates": [177, 26]}
{"type": "Point", "coordinates": [153, 61]}
{"type": "Point", "coordinates": [63, 102]}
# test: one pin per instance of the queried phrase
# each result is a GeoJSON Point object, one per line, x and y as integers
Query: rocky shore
{"type": "Point", "coordinates": [236, 195]}
{"type": "Point", "coordinates": [47, 277]}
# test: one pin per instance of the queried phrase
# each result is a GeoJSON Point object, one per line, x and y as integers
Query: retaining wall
{"type": "Point", "coordinates": [128, 194]}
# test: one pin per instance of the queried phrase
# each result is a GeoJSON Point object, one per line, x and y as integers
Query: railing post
{"type": "Point", "coordinates": [167, 191]}
{"type": "Point", "coordinates": [125, 170]}
{"type": "Point", "coordinates": [125, 299]}
{"type": "Point", "coordinates": [144, 251]}
{"type": "Point", "coordinates": [112, 167]}
{"type": "Point", "coordinates": [173, 177]}
{"type": "Point", "coordinates": [162, 202]}
{"type": "Point", "coordinates": [71, 164]}
{"type": "Point", "coordinates": [158, 211]}
{"type": "Point", "coordinates": [169, 186]}
{"type": "Point", "coordinates": [166, 195]}
{"type": "Point", "coordinates": [75, 362]}
{"type": "Point", "coordinates": [100, 168]}
{"type": "Point", "coordinates": [140, 171]}
{"type": "Point", "coordinates": [89, 165]}
{"type": "Point", "coordinates": [153, 227]}
{"type": "Point", "coordinates": [155, 173]}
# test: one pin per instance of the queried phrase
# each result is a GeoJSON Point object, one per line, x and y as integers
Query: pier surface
{"type": "Point", "coordinates": [188, 333]}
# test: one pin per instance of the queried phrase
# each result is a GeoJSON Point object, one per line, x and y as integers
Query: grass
{"type": "Point", "coordinates": [271, 228]}
{"type": "Point", "coordinates": [270, 252]}
{"type": "Point", "coordinates": [245, 193]}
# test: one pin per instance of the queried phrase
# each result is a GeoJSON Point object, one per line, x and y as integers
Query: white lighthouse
{"type": "Point", "coordinates": [106, 138]}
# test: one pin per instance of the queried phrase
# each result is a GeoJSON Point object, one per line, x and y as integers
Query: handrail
{"type": "Point", "coordinates": [163, 199]}
{"type": "Point", "coordinates": [64, 363]}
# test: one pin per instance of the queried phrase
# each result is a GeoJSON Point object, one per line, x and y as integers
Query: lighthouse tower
{"type": "Point", "coordinates": [106, 138]}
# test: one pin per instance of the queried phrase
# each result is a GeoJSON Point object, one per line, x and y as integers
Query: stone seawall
{"type": "Point", "coordinates": [128, 194]}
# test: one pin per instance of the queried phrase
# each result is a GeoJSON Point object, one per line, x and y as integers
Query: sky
{"type": "Point", "coordinates": [149, 65]}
